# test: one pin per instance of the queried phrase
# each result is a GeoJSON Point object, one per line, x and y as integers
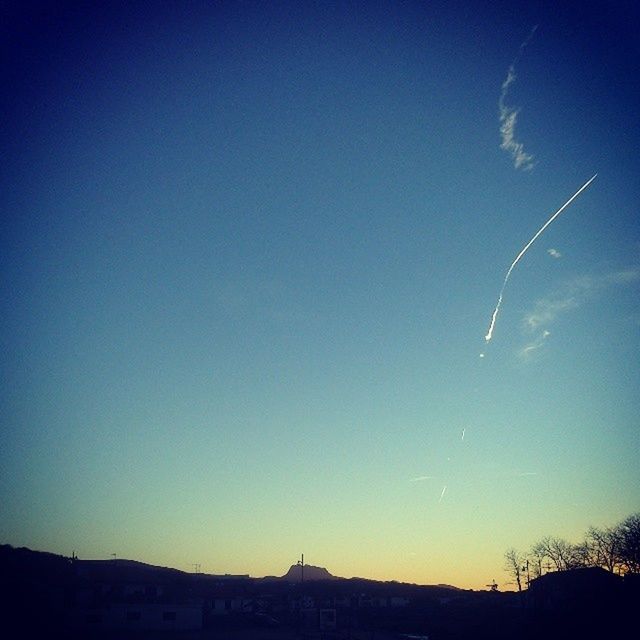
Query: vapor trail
{"type": "Point", "coordinates": [524, 250]}
{"type": "Point", "coordinates": [421, 478]}
{"type": "Point", "coordinates": [442, 494]}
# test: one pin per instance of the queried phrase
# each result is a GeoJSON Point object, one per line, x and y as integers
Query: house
{"type": "Point", "coordinates": [579, 603]}
{"type": "Point", "coordinates": [221, 605]}
{"type": "Point", "coordinates": [118, 596]}
{"type": "Point", "coordinates": [141, 616]}
{"type": "Point", "coordinates": [564, 591]}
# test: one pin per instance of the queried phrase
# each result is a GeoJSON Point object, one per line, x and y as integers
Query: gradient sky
{"type": "Point", "coordinates": [249, 255]}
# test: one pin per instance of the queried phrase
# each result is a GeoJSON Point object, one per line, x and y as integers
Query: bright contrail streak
{"type": "Point", "coordinates": [524, 250]}
{"type": "Point", "coordinates": [442, 494]}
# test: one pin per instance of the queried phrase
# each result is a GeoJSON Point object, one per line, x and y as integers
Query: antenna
{"type": "Point", "coordinates": [196, 567]}
{"type": "Point", "coordinates": [493, 586]}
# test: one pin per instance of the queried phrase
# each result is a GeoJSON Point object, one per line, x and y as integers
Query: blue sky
{"type": "Point", "coordinates": [250, 254]}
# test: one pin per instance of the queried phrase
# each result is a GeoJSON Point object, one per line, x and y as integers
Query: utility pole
{"type": "Point", "coordinates": [196, 567]}
{"type": "Point", "coordinates": [300, 563]}
{"type": "Point", "coordinates": [300, 602]}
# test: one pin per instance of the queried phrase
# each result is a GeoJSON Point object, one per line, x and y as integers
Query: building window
{"type": "Point", "coordinates": [168, 616]}
{"type": "Point", "coordinates": [133, 616]}
{"type": "Point", "coordinates": [227, 605]}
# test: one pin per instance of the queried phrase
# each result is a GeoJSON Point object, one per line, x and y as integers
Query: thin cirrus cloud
{"type": "Point", "coordinates": [516, 474]}
{"type": "Point", "coordinates": [508, 117]}
{"type": "Point", "coordinates": [570, 296]}
{"type": "Point", "coordinates": [573, 294]}
{"type": "Point", "coordinates": [421, 478]}
{"type": "Point", "coordinates": [528, 349]}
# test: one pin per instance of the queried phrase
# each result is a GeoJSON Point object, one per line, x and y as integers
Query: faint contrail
{"type": "Point", "coordinates": [442, 494]}
{"type": "Point", "coordinates": [524, 250]}
{"type": "Point", "coordinates": [421, 478]}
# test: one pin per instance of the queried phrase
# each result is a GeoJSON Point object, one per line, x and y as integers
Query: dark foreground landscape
{"type": "Point", "coordinates": [50, 596]}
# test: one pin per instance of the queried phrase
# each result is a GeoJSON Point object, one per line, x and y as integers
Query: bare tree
{"type": "Point", "coordinates": [582, 555]}
{"type": "Point", "coordinates": [538, 557]}
{"type": "Point", "coordinates": [562, 554]}
{"type": "Point", "coordinates": [629, 543]}
{"type": "Point", "coordinates": [514, 562]}
{"type": "Point", "coordinates": [601, 548]}
{"type": "Point", "coordinates": [616, 549]}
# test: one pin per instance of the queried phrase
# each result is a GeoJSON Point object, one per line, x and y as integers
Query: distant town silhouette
{"type": "Point", "coordinates": [53, 596]}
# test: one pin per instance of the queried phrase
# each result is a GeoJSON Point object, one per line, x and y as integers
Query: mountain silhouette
{"type": "Point", "coordinates": [311, 573]}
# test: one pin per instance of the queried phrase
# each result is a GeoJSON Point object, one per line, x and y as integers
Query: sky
{"type": "Point", "coordinates": [250, 252]}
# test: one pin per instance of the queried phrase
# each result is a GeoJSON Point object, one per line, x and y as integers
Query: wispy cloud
{"type": "Point", "coordinates": [528, 349]}
{"type": "Point", "coordinates": [508, 116]}
{"type": "Point", "coordinates": [521, 159]}
{"type": "Point", "coordinates": [421, 478]}
{"type": "Point", "coordinates": [573, 294]}
{"type": "Point", "coordinates": [554, 253]}
{"type": "Point", "coordinates": [511, 474]}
